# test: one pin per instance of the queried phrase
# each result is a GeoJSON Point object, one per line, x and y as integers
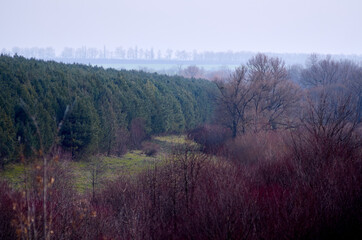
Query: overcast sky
{"type": "Point", "coordinates": [282, 26]}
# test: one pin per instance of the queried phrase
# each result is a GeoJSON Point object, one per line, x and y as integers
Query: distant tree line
{"type": "Point", "coordinates": [131, 53]}
{"type": "Point", "coordinates": [151, 54]}
{"type": "Point", "coordinates": [104, 111]}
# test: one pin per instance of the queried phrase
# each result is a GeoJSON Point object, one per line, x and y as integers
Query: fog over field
{"type": "Point", "coordinates": [280, 26]}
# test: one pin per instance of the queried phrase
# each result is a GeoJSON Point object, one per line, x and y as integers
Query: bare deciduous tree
{"type": "Point", "coordinates": [258, 95]}
{"type": "Point", "coordinates": [235, 96]}
{"type": "Point", "coordinates": [275, 96]}
{"type": "Point", "coordinates": [322, 72]}
{"type": "Point", "coordinates": [192, 72]}
{"type": "Point", "coordinates": [330, 116]}
{"type": "Point", "coordinates": [342, 78]}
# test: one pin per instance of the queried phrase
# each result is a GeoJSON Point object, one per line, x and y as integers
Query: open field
{"type": "Point", "coordinates": [110, 168]}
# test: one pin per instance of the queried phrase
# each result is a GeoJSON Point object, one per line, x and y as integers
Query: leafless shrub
{"type": "Point", "coordinates": [254, 148]}
{"type": "Point", "coordinates": [7, 211]}
{"type": "Point", "coordinates": [150, 149]}
{"type": "Point", "coordinates": [137, 132]}
{"type": "Point", "coordinates": [212, 138]}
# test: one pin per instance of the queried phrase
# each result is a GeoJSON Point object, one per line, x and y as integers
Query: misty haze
{"type": "Point", "coordinates": [185, 119]}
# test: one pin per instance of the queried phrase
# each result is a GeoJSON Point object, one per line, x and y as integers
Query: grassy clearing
{"type": "Point", "coordinates": [171, 139]}
{"type": "Point", "coordinates": [110, 168]}
{"type": "Point", "coordinates": [167, 143]}
{"type": "Point", "coordinates": [131, 163]}
{"type": "Point", "coordinates": [13, 173]}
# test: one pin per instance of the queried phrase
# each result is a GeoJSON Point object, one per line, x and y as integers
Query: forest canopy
{"type": "Point", "coordinates": [98, 108]}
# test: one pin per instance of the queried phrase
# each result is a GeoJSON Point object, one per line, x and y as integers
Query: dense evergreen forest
{"type": "Point", "coordinates": [88, 109]}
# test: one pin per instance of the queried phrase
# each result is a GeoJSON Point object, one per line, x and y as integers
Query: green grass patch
{"type": "Point", "coordinates": [131, 163]}
{"type": "Point", "coordinates": [172, 139]}
{"type": "Point", "coordinates": [14, 174]}
{"type": "Point", "coordinates": [110, 168]}
{"type": "Point", "coordinates": [167, 143]}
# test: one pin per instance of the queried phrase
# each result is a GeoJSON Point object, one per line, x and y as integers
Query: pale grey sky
{"type": "Point", "coordinates": [283, 26]}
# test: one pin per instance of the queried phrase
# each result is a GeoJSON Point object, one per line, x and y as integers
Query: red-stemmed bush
{"type": "Point", "coordinates": [7, 211]}
{"type": "Point", "coordinates": [212, 138]}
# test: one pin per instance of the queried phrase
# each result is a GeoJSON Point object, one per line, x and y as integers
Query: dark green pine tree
{"type": "Point", "coordinates": [7, 139]}
{"type": "Point", "coordinates": [79, 132]}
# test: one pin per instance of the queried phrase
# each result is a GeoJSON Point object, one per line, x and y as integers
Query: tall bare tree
{"type": "Point", "coordinates": [321, 72]}
{"type": "Point", "coordinates": [340, 78]}
{"type": "Point", "coordinates": [275, 96]}
{"type": "Point", "coordinates": [235, 97]}
{"type": "Point", "coordinates": [258, 96]}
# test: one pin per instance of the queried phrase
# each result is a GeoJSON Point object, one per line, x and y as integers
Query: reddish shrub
{"type": "Point", "coordinates": [211, 137]}
{"type": "Point", "coordinates": [253, 148]}
{"type": "Point", "coordinates": [150, 149]}
{"type": "Point", "coordinates": [137, 132]}
{"type": "Point", "coordinates": [291, 191]}
{"type": "Point", "coordinates": [7, 211]}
